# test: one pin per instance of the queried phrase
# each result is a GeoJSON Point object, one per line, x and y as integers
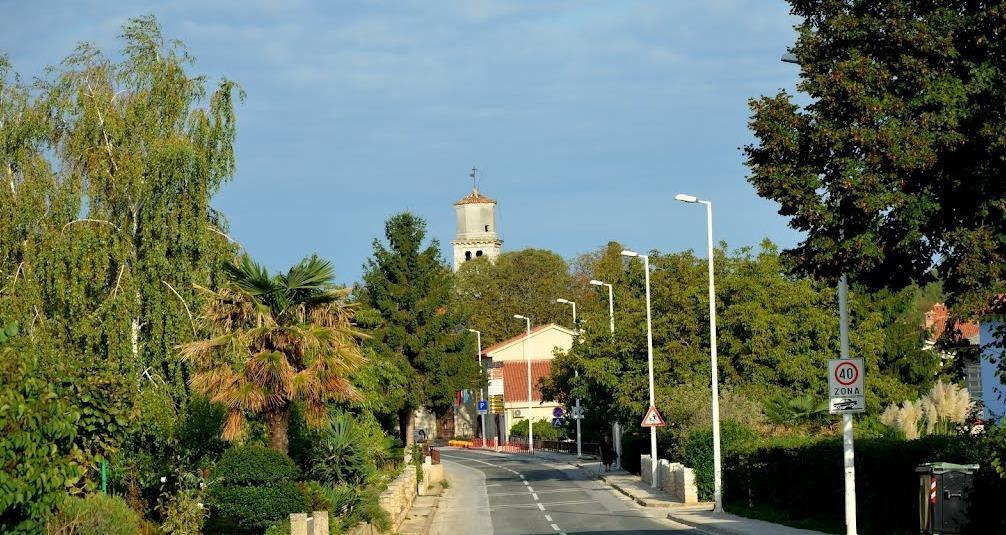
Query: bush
{"type": "Point", "coordinates": [97, 514]}
{"type": "Point", "coordinates": [698, 451]}
{"type": "Point", "coordinates": [543, 430]}
{"type": "Point", "coordinates": [801, 479]}
{"type": "Point", "coordinates": [37, 432]}
{"type": "Point", "coordinates": [254, 465]}
{"type": "Point", "coordinates": [253, 488]}
{"type": "Point", "coordinates": [185, 513]}
{"type": "Point", "coordinates": [347, 505]}
{"type": "Point", "coordinates": [252, 509]}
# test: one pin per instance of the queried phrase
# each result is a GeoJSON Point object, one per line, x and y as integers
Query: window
{"type": "Point", "coordinates": [478, 253]}
{"type": "Point", "coordinates": [487, 228]}
{"type": "Point", "coordinates": [468, 255]}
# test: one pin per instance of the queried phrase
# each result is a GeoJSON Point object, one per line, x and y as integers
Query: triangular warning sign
{"type": "Point", "coordinates": [653, 419]}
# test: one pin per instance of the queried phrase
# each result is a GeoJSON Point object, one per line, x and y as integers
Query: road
{"type": "Point", "coordinates": [515, 494]}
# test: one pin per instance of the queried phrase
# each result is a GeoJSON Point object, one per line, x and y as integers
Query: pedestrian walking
{"type": "Point", "coordinates": [608, 455]}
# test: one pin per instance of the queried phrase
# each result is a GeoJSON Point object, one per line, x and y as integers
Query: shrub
{"type": "Point", "coordinates": [253, 465]}
{"type": "Point", "coordinates": [185, 513]}
{"type": "Point", "coordinates": [347, 505]}
{"type": "Point", "coordinates": [199, 430]}
{"type": "Point", "coordinates": [97, 514]}
{"type": "Point", "coordinates": [252, 509]}
{"type": "Point", "coordinates": [37, 432]}
{"type": "Point", "coordinates": [801, 479]}
{"type": "Point", "coordinates": [253, 488]}
{"type": "Point", "coordinates": [698, 451]}
{"type": "Point", "coordinates": [543, 430]}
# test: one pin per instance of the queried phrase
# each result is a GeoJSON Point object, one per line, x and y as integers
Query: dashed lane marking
{"type": "Point", "coordinates": [548, 518]}
{"type": "Point", "coordinates": [541, 506]}
{"type": "Point", "coordinates": [555, 527]}
{"type": "Point", "coordinates": [535, 496]}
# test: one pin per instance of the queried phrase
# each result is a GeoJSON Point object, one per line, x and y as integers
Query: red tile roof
{"type": "Point", "coordinates": [512, 339]}
{"type": "Point", "coordinates": [515, 379]}
{"type": "Point", "coordinates": [936, 322]}
{"type": "Point", "coordinates": [475, 198]}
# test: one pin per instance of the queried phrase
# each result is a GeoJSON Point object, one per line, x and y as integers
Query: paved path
{"type": "Point", "coordinates": [511, 495]}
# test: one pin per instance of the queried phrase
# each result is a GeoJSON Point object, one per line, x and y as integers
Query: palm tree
{"type": "Point", "coordinates": [274, 341]}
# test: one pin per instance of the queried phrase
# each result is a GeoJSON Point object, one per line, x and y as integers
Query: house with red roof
{"type": "Point", "coordinates": [507, 368]}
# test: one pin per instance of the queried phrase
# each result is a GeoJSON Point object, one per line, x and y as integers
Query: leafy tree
{"type": "Point", "coordinates": [108, 168]}
{"type": "Point", "coordinates": [276, 340]}
{"type": "Point", "coordinates": [776, 333]}
{"type": "Point", "coordinates": [410, 293]}
{"type": "Point", "coordinates": [523, 282]}
{"type": "Point", "coordinates": [893, 170]}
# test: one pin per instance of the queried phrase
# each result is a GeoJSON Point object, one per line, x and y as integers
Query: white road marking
{"type": "Point", "coordinates": [529, 489]}
{"type": "Point", "coordinates": [541, 506]}
{"type": "Point", "coordinates": [526, 483]}
{"type": "Point", "coordinates": [535, 496]}
{"type": "Point", "coordinates": [548, 518]}
{"type": "Point", "coordinates": [555, 527]}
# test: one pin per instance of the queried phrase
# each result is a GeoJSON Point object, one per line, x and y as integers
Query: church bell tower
{"type": "Point", "coordinates": [476, 235]}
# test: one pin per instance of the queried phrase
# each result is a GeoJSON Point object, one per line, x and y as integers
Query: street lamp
{"type": "Point", "coordinates": [530, 423]}
{"type": "Point", "coordinates": [478, 335]}
{"type": "Point", "coordinates": [576, 416]}
{"type": "Point", "coordinates": [848, 447]}
{"type": "Point", "coordinates": [717, 466]}
{"type": "Point", "coordinates": [611, 302]}
{"type": "Point", "coordinates": [649, 358]}
{"type": "Point", "coordinates": [616, 428]}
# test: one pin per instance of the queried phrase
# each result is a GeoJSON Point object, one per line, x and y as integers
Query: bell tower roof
{"type": "Point", "coordinates": [474, 198]}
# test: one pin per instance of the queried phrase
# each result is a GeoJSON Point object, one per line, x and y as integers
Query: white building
{"type": "Point", "coordinates": [476, 235]}
{"type": "Point", "coordinates": [506, 363]}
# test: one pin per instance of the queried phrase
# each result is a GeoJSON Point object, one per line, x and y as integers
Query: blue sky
{"type": "Point", "coordinates": [585, 117]}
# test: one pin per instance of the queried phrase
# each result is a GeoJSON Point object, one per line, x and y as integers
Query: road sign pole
{"type": "Point", "coordinates": [847, 439]}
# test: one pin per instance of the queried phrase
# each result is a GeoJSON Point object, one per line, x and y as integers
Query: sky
{"type": "Point", "coordinates": [585, 118]}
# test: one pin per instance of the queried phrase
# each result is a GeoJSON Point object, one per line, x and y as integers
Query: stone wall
{"type": "Point", "coordinates": [674, 478]}
{"type": "Point", "coordinates": [397, 499]}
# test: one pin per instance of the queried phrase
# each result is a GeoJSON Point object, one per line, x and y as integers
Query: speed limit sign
{"type": "Point", "coordinates": [845, 386]}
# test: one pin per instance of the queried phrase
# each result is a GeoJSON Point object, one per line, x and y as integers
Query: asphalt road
{"type": "Point", "coordinates": [513, 494]}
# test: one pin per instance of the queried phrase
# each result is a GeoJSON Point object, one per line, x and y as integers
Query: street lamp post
{"type": "Point", "coordinates": [717, 462]}
{"type": "Point", "coordinates": [579, 449]}
{"type": "Point", "coordinates": [530, 423]}
{"type": "Point", "coordinates": [649, 358]}
{"type": "Point", "coordinates": [616, 428]}
{"type": "Point", "coordinates": [848, 446]}
{"type": "Point", "coordinates": [478, 335]}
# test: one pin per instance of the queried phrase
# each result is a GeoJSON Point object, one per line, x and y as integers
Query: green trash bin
{"type": "Point", "coordinates": [944, 497]}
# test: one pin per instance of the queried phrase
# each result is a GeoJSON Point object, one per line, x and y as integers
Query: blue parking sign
{"type": "Point", "coordinates": [483, 406]}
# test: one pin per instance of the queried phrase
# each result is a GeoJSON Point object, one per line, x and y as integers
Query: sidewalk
{"type": "Point", "coordinates": [699, 516]}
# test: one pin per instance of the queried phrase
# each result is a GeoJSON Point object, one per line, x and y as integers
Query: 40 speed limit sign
{"type": "Point", "coordinates": [845, 386]}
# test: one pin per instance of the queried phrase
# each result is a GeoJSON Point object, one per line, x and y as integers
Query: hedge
{"type": "Point", "coordinates": [802, 480]}
{"type": "Point", "coordinates": [253, 488]}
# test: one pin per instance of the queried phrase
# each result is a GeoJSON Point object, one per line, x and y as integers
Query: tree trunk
{"type": "Point", "coordinates": [407, 425]}
{"type": "Point", "coordinates": [278, 422]}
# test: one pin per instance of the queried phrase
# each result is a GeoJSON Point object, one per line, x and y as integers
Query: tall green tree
{"type": "Point", "coordinates": [893, 170]}
{"type": "Point", "coordinates": [275, 341]}
{"type": "Point", "coordinates": [525, 282]}
{"type": "Point", "coordinates": [417, 324]}
{"type": "Point", "coordinates": [108, 168]}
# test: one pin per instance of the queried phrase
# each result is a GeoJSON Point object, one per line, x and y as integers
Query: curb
{"type": "Point", "coordinates": [702, 527]}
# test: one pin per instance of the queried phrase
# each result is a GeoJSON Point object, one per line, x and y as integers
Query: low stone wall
{"type": "Point", "coordinates": [675, 478]}
{"type": "Point", "coordinates": [397, 498]}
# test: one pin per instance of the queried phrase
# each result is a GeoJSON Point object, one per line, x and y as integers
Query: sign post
{"type": "Point", "coordinates": [848, 455]}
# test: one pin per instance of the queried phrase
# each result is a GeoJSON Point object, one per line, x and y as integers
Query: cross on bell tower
{"type": "Point", "coordinates": [476, 226]}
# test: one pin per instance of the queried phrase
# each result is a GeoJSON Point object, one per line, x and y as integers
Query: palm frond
{"type": "Point", "coordinates": [234, 426]}
{"type": "Point", "coordinates": [251, 277]}
{"type": "Point", "coordinates": [271, 370]}
{"type": "Point", "coordinates": [312, 274]}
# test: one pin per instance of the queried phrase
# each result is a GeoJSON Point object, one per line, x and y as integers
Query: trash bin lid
{"type": "Point", "coordinates": [941, 467]}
